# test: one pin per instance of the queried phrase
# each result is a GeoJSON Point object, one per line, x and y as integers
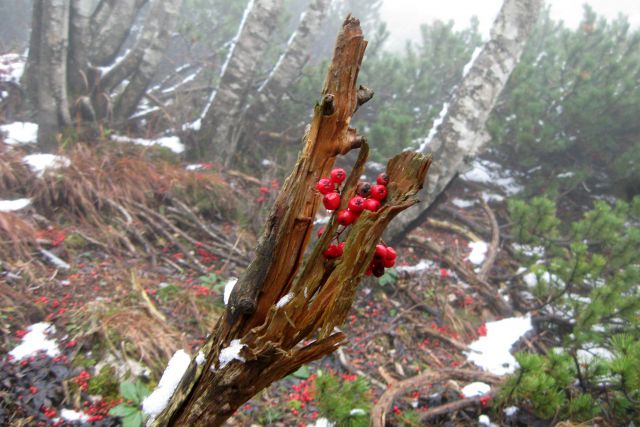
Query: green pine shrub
{"type": "Point", "coordinates": [345, 402]}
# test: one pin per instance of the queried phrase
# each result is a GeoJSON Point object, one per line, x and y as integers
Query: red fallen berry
{"type": "Point", "coordinates": [331, 201]}
{"type": "Point", "coordinates": [321, 231]}
{"type": "Point", "coordinates": [383, 179]}
{"type": "Point", "coordinates": [388, 263]}
{"type": "Point", "coordinates": [379, 192]}
{"type": "Point", "coordinates": [356, 204]}
{"type": "Point", "coordinates": [381, 252]}
{"type": "Point", "coordinates": [332, 252]}
{"type": "Point", "coordinates": [341, 247]}
{"type": "Point", "coordinates": [338, 175]}
{"type": "Point", "coordinates": [391, 253]}
{"type": "Point", "coordinates": [371, 205]}
{"type": "Point", "coordinates": [364, 189]}
{"type": "Point", "coordinates": [325, 186]}
{"type": "Point", "coordinates": [346, 217]}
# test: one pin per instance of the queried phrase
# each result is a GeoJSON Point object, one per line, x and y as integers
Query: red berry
{"type": "Point", "coordinates": [325, 186]}
{"type": "Point", "coordinates": [371, 205]}
{"type": "Point", "coordinates": [388, 263]}
{"type": "Point", "coordinates": [338, 175]}
{"type": "Point", "coordinates": [331, 201]}
{"type": "Point", "coordinates": [378, 270]}
{"type": "Point", "coordinates": [381, 252]}
{"type": "Point", "coordinates": [364, 189]}
{"type": "Point", "coordinates": [321, 231]}
{"type": "Point", "coordinates": [356, 204]}
{"type": "Point", "coordinates": [346, 217]}
{"type": "Point", "coordinates": [379, 192]}
{"type": "Point", "coordinates": [341, 247]}
{"type": "Point", "coordinates": [383, 179]}
{"type": "Point", "coordinates": [331, 252]}
{"type": "Point", "coordinates": [391, 253]}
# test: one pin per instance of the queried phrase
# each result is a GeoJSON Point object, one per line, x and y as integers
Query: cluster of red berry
{"type": "Point", "coordinates": [368, 197]}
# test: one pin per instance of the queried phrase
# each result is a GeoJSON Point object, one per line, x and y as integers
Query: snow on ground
{"type": "Point", "coordinates": [171, 142]}
{"type": "Point", "coordinates": [228, 287]}
{"type": "Point", "coordinates": [71, 415]}
{"type": "Point", "coordinates": [422, 265]}
{"type": "Point", "coordinates": [231, 353]}
{"type": "Point", "coordinates": [529, 250]}
{"type": "Point", "coordinates": [463, 204]}
{"type": "Point", "coordinates": [200, 359]}
{"type": "Point", "coordinates": [532, 279]}
{"type": "Point", "coordinates": [510, 411]}
{"type": "Point", "coordinates": [484, 420]}
{"type": "Point", "coordinates": [12, 67]}
{"type": "Point", "coordinates": [488, 172]}
{"type": "Point", "coordinates": [157, 401]}
{"type": "Point", "coordinates": [478, 252]}
{"type": "Point", "coordinates": [18, 133]}
{"type": "Point", "coordinates": [36, 340]}
{"type": "Point", "coordinates": [14, 205]}
{"type": "Point", "coordinates": [587, 355]}
{"type": "Point", "coordinates": [493, 351]}
{"type": "Point", "coordinates": [322, 422]}
{"type": "Point", "coordinates": [476, 389]}
{"type": "Point", "coordinates": [40, 162]}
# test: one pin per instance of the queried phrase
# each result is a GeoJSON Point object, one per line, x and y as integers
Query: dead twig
{"type": "Point", "coordinates": [493, 246]}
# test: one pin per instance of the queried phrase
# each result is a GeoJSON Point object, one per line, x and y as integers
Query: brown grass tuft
{"type": "Point", "coordinates": [17, 237]}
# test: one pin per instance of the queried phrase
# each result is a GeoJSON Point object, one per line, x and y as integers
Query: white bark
{"type": "Point", "coordinates": [111, 23]}
{"type": "Point", "coordinates": [158, 26]}
{"type": "Point", "coordinates": [77, 62]}
{"type": "Point", "coordinates": [462, 132]}
{"type": "Point", "coordinates": [225, 107]}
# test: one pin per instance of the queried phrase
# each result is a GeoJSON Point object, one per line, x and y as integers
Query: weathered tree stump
{"type": "Point", "coordinates": [275, 335]}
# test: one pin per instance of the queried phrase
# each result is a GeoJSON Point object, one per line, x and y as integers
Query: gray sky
{"type": "Point", "coordinates": [405, 16]}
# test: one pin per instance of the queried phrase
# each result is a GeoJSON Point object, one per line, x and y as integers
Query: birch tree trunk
{"type": "Point", "coordinates": [52, 105]}
{"type": "Point", "coordinates": [462, 132]}
{"type": "Point", "coordinates": [78, 60]}
{"type": "Point", "coordinates": [158, 26]}
{"type": "Point", "coordinates": [216, 136]}
{"type": "Point", "coordinates": [280, 302]}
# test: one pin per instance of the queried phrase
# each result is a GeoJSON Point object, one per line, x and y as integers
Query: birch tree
{"type": "Point", "coordinates": [460, 132]}
{"type": "Point", "coordinates": [71, 39]}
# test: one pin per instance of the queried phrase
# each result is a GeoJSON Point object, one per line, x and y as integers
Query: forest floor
{"type": "Point", "coordinates": [95, 313]}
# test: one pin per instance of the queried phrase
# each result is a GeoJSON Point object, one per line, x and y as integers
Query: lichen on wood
{"type": "Point", "coordinates": [278, 338]}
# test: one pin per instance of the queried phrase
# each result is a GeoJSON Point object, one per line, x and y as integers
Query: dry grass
{"type": "Point", "coordinates": [17, 237]}
{"type": "Point", "coordinates": [128, 332]}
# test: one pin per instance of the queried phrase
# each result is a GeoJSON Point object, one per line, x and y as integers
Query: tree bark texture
{"type": "Point", "coordinates": [52, 104]}
{"type": "Point", "coordinates": [462, 132]}
{"type": "Point", "coordinates": [216, 136]}
{"type": "Point", "coordinates": [289, 66]}
{"type": "Point", "coordinates": [78, 60]}
{"type": "Point", "coordinates": [282, 312]}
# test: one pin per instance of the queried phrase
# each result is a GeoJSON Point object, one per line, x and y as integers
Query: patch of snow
{"type": "Point", "coordinates": [469, 64]}
{"type": "Point", "coordinates": [194, 125]}
{"type": "Point", "coordinates": [284, 300]}
{"type": "Point", "coordinates": [231, 353]}
{"type": "Point", "coordinates": [587, 355]}
{"type": "Point", "coordinates": [36, 340]}
{"type": "Point", "coordinates": [267, 163]}
{"type": "Point", "coordinates": [40, 162]}
{"type": "Point", "coordinates": [510, 411]}
{"type": "Point", "coordinates": [532, 279]}
{"type": "Point", "coordinates": [463, 204]}
{"type": "Point", "coordinates": [357, 411]}
{"type": "Point", "coordinates": [18, 133]}
{"type": "Point", "coordinates": [529, 250]}
{"type": "Point", "coordinates": [478, 252]}
{"type": "Point", "coordinates": [14, 205]}
{"type": "Point", "coordinates": [171, 142]}
{"type": "Point", "coordinates": [322, 220]}
{"type": "Point", "coordinates": [488, 172]}
{"type": "Point", "coordinates": [476, 389]}
{"type": "Point", "coordinates": [492, 352]}
{"type": "Point", "coordinates": [434, 128]}
{"type": "Point", "coordinates": [423, 264]}
{"type": "Point", "coordinates": [71, 415]}
{"type": "Point", "coordinates": [158, 399]}
{"type": "Point", "coordinates": [565, 175]}
{"type": "Point", "coordinates": [322, 422]}
{"type": "Point", "coordinates": [12, 66]}
{"type": "Point", "coordinates": [200, 359]}
{"type": "Point", "coordinates": [484, 420]}
{"type": "Point", "coordinates": [194, 167]}
{"type": "Point", "coordinates": [228, 287]}
{"type": "Point", "coordinates": [491, 197]}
